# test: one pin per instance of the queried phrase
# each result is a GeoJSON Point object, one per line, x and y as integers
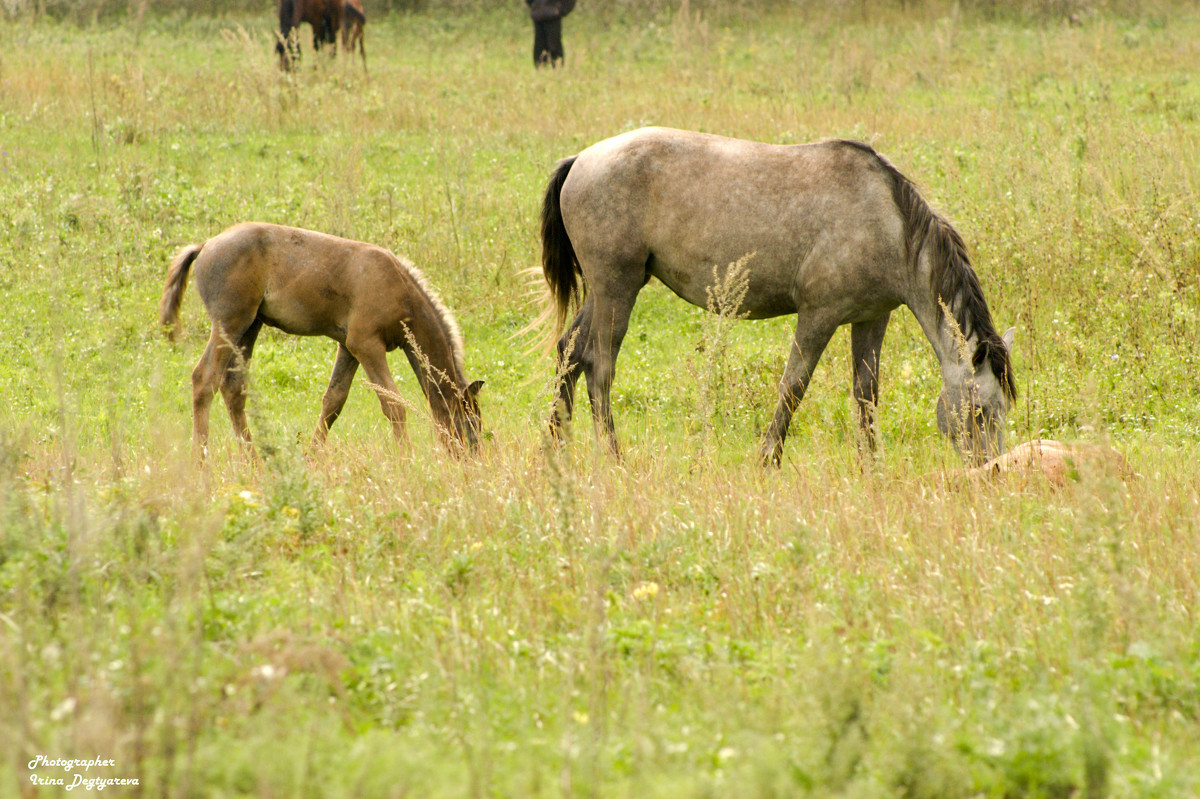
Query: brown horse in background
{"type": "Point", "coordinates": [326, 17]}
{"type": "Point", "coordinates": [353, 22]}
{"type": "Point", "coordinates": [309, 284]}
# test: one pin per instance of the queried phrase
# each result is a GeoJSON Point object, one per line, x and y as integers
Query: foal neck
{"type": "Point", "coordinates": [431, 352]}
{"type": "Point", "coordinates": [432, 347]}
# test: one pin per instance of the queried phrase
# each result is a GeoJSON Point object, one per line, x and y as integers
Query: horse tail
{"type": "Point", "coordinates": [172, 296]}
{"type": "Point", "coordinates": [952, 276]}
{"type": "Point", "coordinates": [560, 266]}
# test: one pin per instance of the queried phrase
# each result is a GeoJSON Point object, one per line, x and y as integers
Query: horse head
{"type": "Point", "coordinates": [465, 420]}
{"type": "Point", "coordinates": [975, 399]}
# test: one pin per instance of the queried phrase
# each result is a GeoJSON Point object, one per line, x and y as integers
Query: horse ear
{"type": "Point", "coordinates": [473, 389]}
{"type": "Point", "coordinates": [1008, 338]}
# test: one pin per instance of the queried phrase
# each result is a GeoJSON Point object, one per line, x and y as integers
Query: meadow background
{"type": "Point", "coordinates": [367, 621]}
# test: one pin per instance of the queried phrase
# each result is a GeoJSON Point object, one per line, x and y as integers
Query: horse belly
{"type": "Point", "coordinates": [695, 247]}
{"type": "Point", "coordinates": [715, 287]}
{"type": "Point", "coordinates": [308, 316]}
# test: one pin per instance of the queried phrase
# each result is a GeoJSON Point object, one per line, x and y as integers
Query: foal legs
{"type": "Point", "coordinates": [344, 367]}
{"type": "Point", "coordinates": [203, 377]}
{"type": "Point", "coordinates": [211, 372]}
{"type": "Point", "coordinates": [812, 335]}
{"type": "Point", "coordinates": [372, 354]}
{"type": "Point", "coordinates": [866, 340]}
{"type": "Point", "coordinates": [233, 385]}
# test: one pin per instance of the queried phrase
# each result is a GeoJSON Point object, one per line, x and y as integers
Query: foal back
{"type": "Point", "coordinates": [305, 283]}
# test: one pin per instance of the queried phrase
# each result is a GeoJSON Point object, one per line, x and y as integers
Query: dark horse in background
{"type": "Point", "coordinates": [353, 22]}
{"type": "Point", "coordinates": [326, 17]}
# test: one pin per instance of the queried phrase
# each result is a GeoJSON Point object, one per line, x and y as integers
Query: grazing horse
{"type": "Point", "coordinates": [831, 232]}
{"type": "Point", "coordinates": [325, 17]}
{"type": "Point", "coordinates": [353, 22]}
{"type": "Point", "coordinates": [309, 284]}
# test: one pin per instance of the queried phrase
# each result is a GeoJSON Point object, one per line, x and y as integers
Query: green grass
{"type": "Point", "coordinates": [366, 621]}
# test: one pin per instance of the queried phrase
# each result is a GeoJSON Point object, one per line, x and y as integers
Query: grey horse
{"type": "Point", "coordinates": [835, 235]}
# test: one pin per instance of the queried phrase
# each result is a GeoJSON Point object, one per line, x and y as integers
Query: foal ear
{"type": "Point", "coordinates": [1007, 338]}
{"type": "Point", "coordinates": [473, 389]}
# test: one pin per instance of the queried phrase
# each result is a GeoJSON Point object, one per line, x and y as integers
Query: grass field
{"type": "Point", "coordinates": [368, 621]}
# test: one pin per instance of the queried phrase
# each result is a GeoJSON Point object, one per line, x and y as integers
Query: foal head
{"type": "Point", "coordinates": [463, 430]}
{"type": "Point", "coordinates": [975, 399]}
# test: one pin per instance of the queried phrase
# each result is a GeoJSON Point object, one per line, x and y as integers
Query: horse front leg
{"type": "Point", "coordinates": [812, 336]}
{"type": "Point", "coordinates": [372, 354]}
{"type": "Point", "coordinates": [285, 28]}
{"type": "Point", "coordinates": [866, 341]}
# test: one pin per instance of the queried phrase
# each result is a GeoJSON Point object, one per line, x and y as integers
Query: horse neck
{"type": "Point", "coordinates": [937, 320]}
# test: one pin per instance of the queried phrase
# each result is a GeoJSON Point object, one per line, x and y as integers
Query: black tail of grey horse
{"type": "Point", "coordinates": [559, 264]}
{"type": "Point", "coordinates": [834, 233]}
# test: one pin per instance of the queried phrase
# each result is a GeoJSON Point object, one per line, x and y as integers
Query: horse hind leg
{"type": "Point", "coordinates": [203, 382]}
{"type": "Point", "coordinates": [356, 41]}
{"type": "Point", "coordinates": [233, 384]}
{"type": "Point", "coordinates": [812, 336]}
{"type": "Point", "coordinates": [569, 366]}
{"type": "Point", "coordinates": [208, 374]}
{"type": "Point", "coordinates": [609, 323]}
{"type": "Point", "coordinates": [344, 368]}
{"type": "Point", "coordinates": [866, 342]}
{"type": "Point", "coordinates": [326, 32]}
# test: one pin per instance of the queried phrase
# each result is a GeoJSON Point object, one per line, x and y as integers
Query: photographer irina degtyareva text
{"type": "Point", "coordinates": [73, 779]}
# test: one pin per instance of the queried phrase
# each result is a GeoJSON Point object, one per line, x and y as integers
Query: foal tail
{"type": "Point", "coordinates": [560, 266]}
{"type": "Point", "coordinates": [172, 296]}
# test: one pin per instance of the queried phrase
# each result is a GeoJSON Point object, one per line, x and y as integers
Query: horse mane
{"type": "Point", "coordinates": [952, 279]}
{"type": "Point", "coordinates": [452, 328]}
